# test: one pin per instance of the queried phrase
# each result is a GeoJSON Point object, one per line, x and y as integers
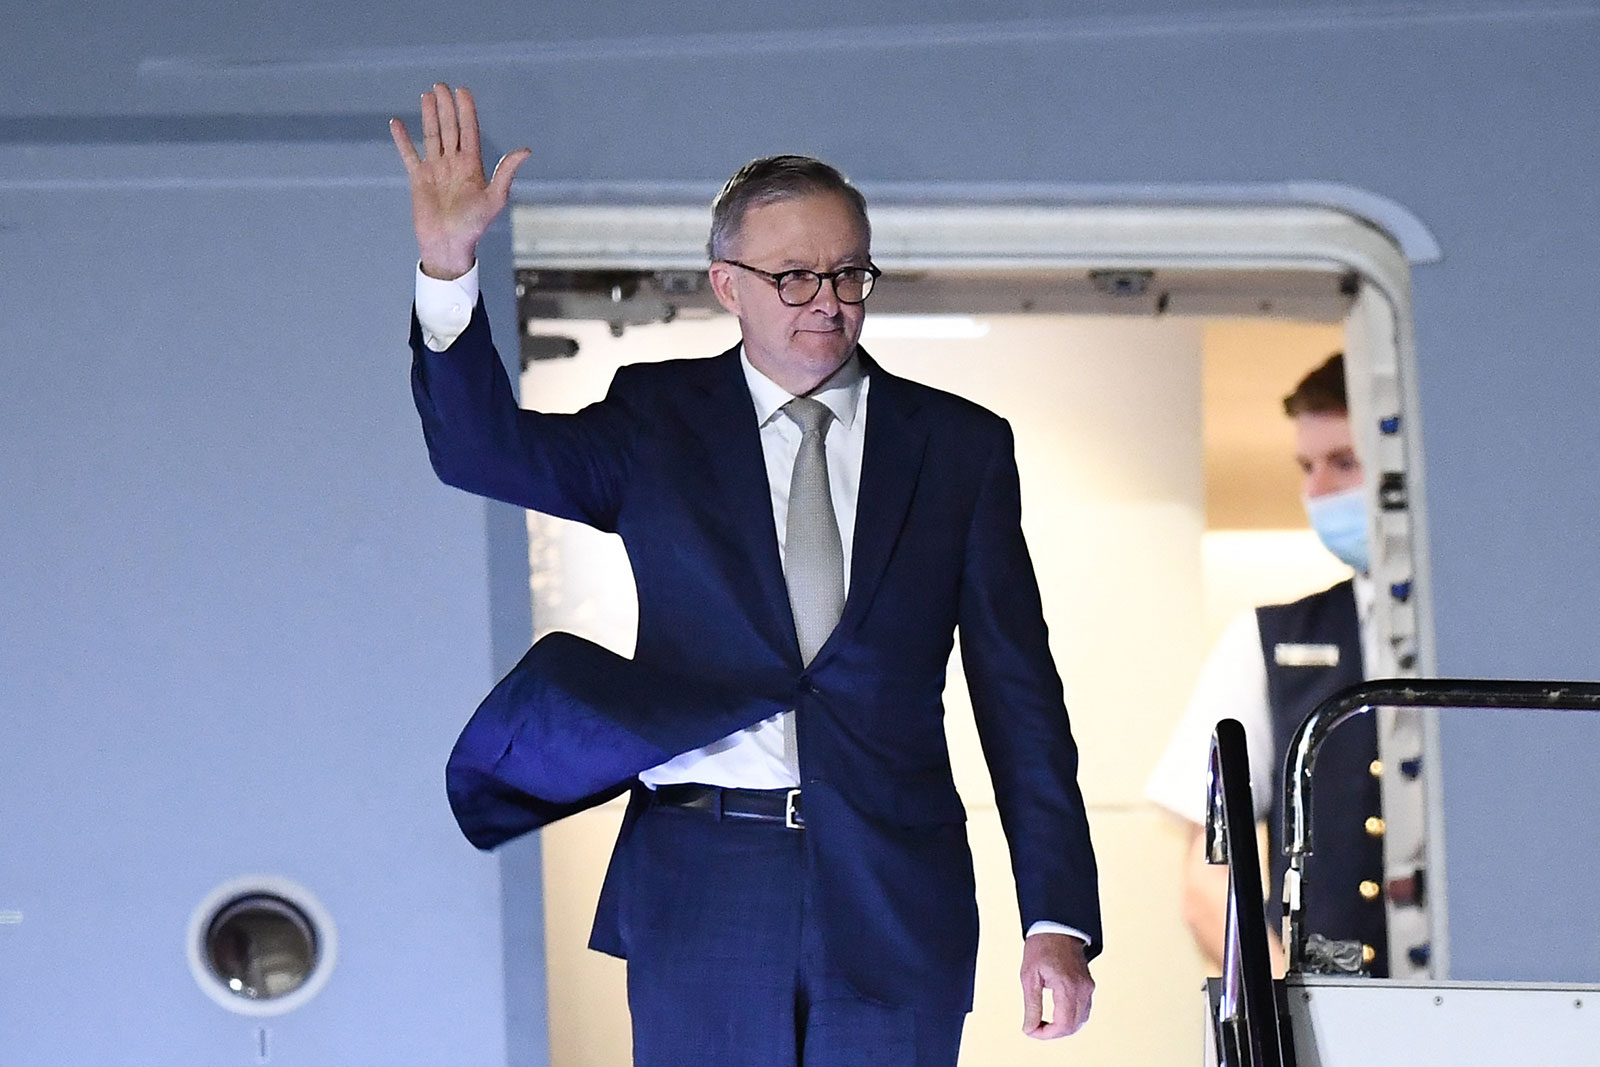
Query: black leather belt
{"type": "Point", "coordinates": [780, 806]}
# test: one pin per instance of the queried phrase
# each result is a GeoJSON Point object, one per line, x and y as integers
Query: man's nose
{"type": "Point", "coordinates": [827, 299]}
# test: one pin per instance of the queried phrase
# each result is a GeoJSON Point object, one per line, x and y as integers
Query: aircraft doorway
{"type": "Point", "coordinates": [1159, 498]}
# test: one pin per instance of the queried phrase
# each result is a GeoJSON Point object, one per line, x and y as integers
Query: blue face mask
{"type": "Point", "coordinates": [1340, 520]}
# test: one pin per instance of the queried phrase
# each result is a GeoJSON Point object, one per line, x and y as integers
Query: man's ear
{"type": "Point", "coordinates": [722, 285]}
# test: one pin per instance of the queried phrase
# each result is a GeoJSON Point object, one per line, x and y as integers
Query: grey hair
{"type": "Point", "coordinates": [770, 180]}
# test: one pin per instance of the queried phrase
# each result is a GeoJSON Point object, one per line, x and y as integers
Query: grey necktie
{"type": "Point", "coordinates": [813, 558]}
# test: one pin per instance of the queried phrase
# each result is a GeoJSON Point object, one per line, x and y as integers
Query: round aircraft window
{"type": "Point", "coordinates": [260, 946]}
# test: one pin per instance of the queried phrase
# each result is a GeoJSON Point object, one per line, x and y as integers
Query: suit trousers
{"type": "Point", "coordinates": [725, 962]}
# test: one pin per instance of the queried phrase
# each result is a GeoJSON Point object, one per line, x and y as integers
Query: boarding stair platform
{"type": "Point", "coordinates": [1310, 1019]}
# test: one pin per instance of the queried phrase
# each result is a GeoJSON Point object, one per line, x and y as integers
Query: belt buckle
{"type": "Point", "coordinates": [792, 819]}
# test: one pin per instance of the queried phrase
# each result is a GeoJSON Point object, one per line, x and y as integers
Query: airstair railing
{"type": "Point", "coordinates": [1367, 697]}
{"type": "Point", "coordinates": [1249, 1031]}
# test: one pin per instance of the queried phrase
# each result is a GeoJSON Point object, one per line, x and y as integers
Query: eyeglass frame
{"type": "Point", "coordinates": [829, 276]}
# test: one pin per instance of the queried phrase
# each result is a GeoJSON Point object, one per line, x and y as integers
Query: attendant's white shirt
{"type": "Point", "coordinates": [753, 758]}
{"type": "Point", "coordinates": [1232, 685]}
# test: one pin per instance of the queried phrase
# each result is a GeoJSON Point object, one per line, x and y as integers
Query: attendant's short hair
{"type": "Point", "coordinates": [1322, 392]}
{"type": "Point", "coordinates": [770, 180]}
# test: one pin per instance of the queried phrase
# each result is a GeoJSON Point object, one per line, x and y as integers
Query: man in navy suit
{"type": "Point", "coordinates": [792, 883]}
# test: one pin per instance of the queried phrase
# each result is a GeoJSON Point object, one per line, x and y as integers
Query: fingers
{"type": "Point", "coordinates": [1032, 1005]}
{"type": "Point", "coordinates": [1074, 1006]}
{"type": "Point", "coordinates": [1054, 962]}
{"type": "Point", "coordinates": [1033, 1024]}
{"type": "Point", "coordinates": [467, 112]}
{"type": "Point", "coordinates": [1069, 1009]}
{"type": "Point", "coordinates": [505, 170]}
{"type": "Point", "coordinates": [449, 125]}
{"type": "Point", "coordinates": [1067, 1015]}
{"type": "Point", "coordinates": [430, 126]}
{"type": "Point", "coordinates": [402, 141]}
{"type": "Point", "coordinates": [449, 128]}
{"type": "Point", "coordinates": [1061, 1013]}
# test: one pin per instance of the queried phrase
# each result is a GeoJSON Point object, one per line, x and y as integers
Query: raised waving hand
{"type": "Point", "coordinates": [451, 202]}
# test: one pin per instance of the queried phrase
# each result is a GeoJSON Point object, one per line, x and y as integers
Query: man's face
{"type": "Point", "coordinates": [1326, 454]}
{"type": "Point", "coordinates": [797, 347]}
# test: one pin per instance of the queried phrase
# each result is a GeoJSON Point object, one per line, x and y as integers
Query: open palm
{"type": "Point", "coordinates": [451, 202]}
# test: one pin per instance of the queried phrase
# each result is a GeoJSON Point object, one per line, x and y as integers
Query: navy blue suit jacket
{"type": "Point", "coordinates": [671, 460]}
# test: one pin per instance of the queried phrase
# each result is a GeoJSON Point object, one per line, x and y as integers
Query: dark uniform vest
{"type": "Point", "coordinates": [1344, 874]}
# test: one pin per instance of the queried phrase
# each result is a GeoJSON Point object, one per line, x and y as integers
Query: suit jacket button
{"type": "Point", "coordinates": [1369, 889]}
{"type": "Point", "coordinates": [1375, 768]}
{"type": "Point", "coordinates": [1375, 826]}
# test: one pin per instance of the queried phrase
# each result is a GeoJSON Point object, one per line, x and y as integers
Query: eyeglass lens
{"type": "Point", "coordinates": [851, 285]}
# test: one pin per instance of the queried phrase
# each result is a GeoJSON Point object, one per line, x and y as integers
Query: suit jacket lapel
{"type": "Point", "coordinates": [743, 496]}
{"type": "Point", "coordinates": [890, 465]}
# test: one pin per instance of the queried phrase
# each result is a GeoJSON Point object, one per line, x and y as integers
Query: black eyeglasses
{"type": "Point", "coordinates": [851, 285]}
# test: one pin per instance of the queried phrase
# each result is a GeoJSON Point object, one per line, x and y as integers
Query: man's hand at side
{"type": "Point", "coordinates": [451, 203]}
{"type": "Point", "coordinates": [1055, 962]}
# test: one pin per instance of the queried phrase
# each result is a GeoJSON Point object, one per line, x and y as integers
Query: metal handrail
{"type": "Point", "coordinates": [1249, 1031]}
{"type": "Point", "coordinates": [1388, 693]}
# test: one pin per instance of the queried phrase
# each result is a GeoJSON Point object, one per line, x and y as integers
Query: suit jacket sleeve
{"type": "Point", "coordinates": [1020, 713]}
{"type": "Point", "coordinates": [572, 466]}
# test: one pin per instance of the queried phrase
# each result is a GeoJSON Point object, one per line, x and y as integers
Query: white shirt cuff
{"type": "Point", "coordinates": [1044, 926]}
{"type": "Point", "coordinates": [444, 308]}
